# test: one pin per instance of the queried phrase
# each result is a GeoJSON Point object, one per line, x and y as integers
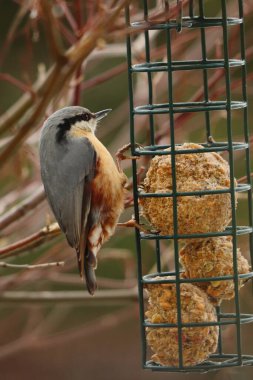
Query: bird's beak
{"type": "Point", "coordinates": [101, 114]}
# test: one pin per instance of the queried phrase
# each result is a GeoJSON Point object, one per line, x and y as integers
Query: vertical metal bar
{"type": "Point", "coordinates": [207, 119]}
{"type": "Point", "coordinates": [218, 310]}
{"type": "Point", "coordinates": [135, 189]}
{"type": "Point", "coordinates": [205, 71]}
{"type": "Point", "coordinates": [191, 8]}
{"type": "Point", "coordinates": [158, 255]}
{"type": "Point", "coordinates": [149, 74]}
{"type": "Point", "coordinates": [174, 190]}
{"type": "Point", "coordinates": [232, 184]}
{"type": "Point", "coordinates": [245, 124]}
{"type": "Point", "coordinates": [130, 84]}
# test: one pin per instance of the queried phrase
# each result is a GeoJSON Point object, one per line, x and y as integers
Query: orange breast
{"type": "Point", "coordinates": [107, 186]}
{"type": "Point", "coordinates": [108, 183]}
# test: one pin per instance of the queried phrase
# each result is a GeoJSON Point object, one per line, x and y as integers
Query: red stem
{"type": "Point", "coordinates": [22, 86]}
{"type": "Point", "coordinates": [77, 91]}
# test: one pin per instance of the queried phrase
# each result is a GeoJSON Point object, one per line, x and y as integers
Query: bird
{"type": "Point", "coordinates": [83, 184]}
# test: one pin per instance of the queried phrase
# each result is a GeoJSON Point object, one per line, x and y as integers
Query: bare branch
{"type": "Point", "coordinates": [108, 74]}
{"type": "Point", "coordinates": [15, 113]}
{"type": "Point", "coordinates": [55, 79]}
{"type": "Point", "coordinates": [244, 178]}
{"type": "Point", "coordinates": [32, 241]}
{"type": "Point", "coordinates": [103, 282]}
{"type": "Point", "coordinates": [30, 266]}
{"type": "Point", "coordinates": [51, 30]}
{"type": "Point", "coordinates": [13, 28]}
{"type": "Point", "coordinates": [69, 17]}
{"type": "Point", "coordinates": [22, 86]}
{"type": "Point", "coordinates": [22, 208]}
{"type": "Point", "coordinates": [35, 239]}
{"type": "Point", "coordinates": [121, 295]}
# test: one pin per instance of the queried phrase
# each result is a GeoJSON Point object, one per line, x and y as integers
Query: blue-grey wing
{"type": "Point", "coordinates": [67, 170]}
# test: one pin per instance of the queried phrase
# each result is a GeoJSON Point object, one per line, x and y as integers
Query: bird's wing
{"type": "Point", "coordinates": [67, 173]}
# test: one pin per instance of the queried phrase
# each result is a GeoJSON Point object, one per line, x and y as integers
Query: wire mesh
{"type": "Point", "coordinates": [194, 18]}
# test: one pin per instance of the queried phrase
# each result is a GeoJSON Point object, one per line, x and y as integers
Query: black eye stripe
{"type": "Point", "coordinates": [81, 117]}
{"type": "Point", "coordinates": [67, 123]}
{"type": "Point", "coordinates": [84, 116]}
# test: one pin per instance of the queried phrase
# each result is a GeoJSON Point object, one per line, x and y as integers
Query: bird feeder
{"type": "Point", "coordinates": [184, 327]}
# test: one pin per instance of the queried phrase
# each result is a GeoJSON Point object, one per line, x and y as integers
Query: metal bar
{"type": "Point", "coordinates": [150, 279]}
{"type": "Point", "coordinates": [205, 76]}
{"type": "Point", "coordinates": [231, 165]}
{"type": "Point", "coordinates": [187, 22]}
{"type": "Point", "coordinates": [245, 126]}
{"type": "Point", "coordinates": [150, 85]}
{"type": "Point", "coordinates": [240, 230]}
{"type": "Point", "coordinates": [158, 255]}
{"type": "Point", "coordinates": [191, 8]}
{"type": "Point", "coordinates": [241, 188]}
{"type": "Point", "coordinates": [135, 184]}
{"type": "Point", "coordinates": [159, 150]}
{"type": "Point", "coordinates": [151, 116]}
{"type": "Point", "coordinates": [174, 189]}
{"type": "Point", "coordinates": [196, 324]}
{"type": "Point", "coordinates": [186, 65]}
{"type": "Point", "coordinates": [188, 107]}
{"type": "Point", "coordinates": [228, 360]}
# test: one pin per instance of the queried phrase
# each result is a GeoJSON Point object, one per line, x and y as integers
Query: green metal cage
{"type": "Point", "coordinates": [188, 18]}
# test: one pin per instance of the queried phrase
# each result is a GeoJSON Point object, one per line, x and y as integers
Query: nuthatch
{"type": "Point", "coordinates": [84, 187]}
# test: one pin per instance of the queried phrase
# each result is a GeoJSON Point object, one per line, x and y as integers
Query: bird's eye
{"type": "Point", "coordinates": [86, 117]}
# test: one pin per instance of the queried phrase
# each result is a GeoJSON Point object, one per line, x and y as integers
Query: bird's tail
{"type": "Point", "coordinates": [86, 264]}
{"type": "Point", "coordinates": [90, 264]}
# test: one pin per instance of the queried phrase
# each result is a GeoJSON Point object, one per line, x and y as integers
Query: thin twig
{"type": "Point", "coordinates": [22, 208]}
{"type": "Point", "coordinates": [9, 282]}
{"type": "Point", "coordinates": [22, 86]}
{"type": "Point", "coordinates": [36, 239]}
{"type": "Point", "coordinates": [103, 282]}
{"type": "Point", "coordinates": [69, 296]}
{"type": "Point", "coordinates": [53, 36]}
{"type": "Point", "coordinates": [69, 17]}
{"type": "Point", "coordinates": [66, 33]}
{"type": "Point", "coordinates": [33, 240]}
{"type": "Point", "coordinates": [244, 178]}
{"type": "Point", "coordinates": [77, 90]}
{"type": "Point", "coordinates": [24, 8]}
{"type": "Point", "coordinates": [55, 79]}
{"type": "Point", "coordinates": [101, 78]}
{"type": "Point", "coordinates": [31, 266]}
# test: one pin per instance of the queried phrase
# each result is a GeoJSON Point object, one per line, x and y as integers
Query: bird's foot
{"type": "Point", "coordinates": [211, 140]}
{"type": "Point", "coordinates": [132, 223]}
{"type": "Point", "coordinates": [120, 156]}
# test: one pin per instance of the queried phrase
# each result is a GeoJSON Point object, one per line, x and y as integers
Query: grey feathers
{"type": "Point", "coordinates": [67, 171]}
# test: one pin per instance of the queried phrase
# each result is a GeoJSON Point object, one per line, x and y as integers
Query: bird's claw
{"type": "Point", "coordinates": [132, 223]}
{"type": "Point", "coordinates": [120, 156]}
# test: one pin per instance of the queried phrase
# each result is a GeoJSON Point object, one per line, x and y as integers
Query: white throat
{"type": "Point", "coordinates": [89, 126]}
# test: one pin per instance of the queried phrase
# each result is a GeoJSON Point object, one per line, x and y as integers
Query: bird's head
{"type": "Point", "coordinates": [75, 117]}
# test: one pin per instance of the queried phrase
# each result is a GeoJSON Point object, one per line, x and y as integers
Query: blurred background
{"type": "Point", "coordinates": [66, 52]}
